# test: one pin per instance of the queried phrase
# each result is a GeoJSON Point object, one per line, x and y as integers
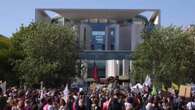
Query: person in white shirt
{"type": "Point", "coordinates": [191, 105]}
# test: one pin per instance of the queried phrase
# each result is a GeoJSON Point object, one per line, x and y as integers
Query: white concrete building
{"type": "Point", "coordinates": [106, 36]}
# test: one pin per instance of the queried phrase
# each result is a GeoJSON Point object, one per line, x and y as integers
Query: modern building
{"type": "Point", "coordinates": [105, 36]}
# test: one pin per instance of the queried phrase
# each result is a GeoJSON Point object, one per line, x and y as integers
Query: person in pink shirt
{"type": "Point", "coordinates": [106, 105]}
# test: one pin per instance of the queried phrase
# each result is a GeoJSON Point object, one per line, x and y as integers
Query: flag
{"type": "Point", "coordinates": [148, 81]}
{"type": "Point", "coordinates": [95, 72]}
{"type": "Point", "coordinates": [163, 87]}
{"type": "Point", "coordinates": [154, 92]}
{"type": "Point", "coordinates": [66, 92]}
{"type": "Point", "coordinates": [174, 86]}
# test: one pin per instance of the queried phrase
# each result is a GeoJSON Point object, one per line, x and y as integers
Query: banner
{"type": "Point", "coordinates": [95, 72]}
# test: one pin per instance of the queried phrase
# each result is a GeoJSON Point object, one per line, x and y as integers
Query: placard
{"type": "Point", "coordinates": [182, 90]}
{"type": "Point", "coordinates": [185, 91]}
{"type": "Point", "coordinates": [188, 91]}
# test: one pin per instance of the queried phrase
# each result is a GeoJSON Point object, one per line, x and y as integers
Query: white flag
{"type": "Point", "coordinates": [148, 81]}
{"type": "Point", "coordinates": [66, 92]}
{"type": "Point", "coordinates": [3, 87]}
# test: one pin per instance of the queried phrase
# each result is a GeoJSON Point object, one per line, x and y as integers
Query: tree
{"type": "Point", "coordinates": [48, 53]}
{"type": "Point", "coordinates": [4, 47]}
{"type": "Point", "coordinates": [6, 72]}
{"type": "Point", "coordinates": [4, 52]}
{"type": "Point", "coordinates": [166, 54]}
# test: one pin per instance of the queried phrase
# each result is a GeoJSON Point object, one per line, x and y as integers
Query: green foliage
{"type": "Point", "coordinates": [4, 42]}
{"type": "Point", "coordinates": [4, 47]}
{"type": "Point", "coordinates": [167, 54]}
{"type": "Point", "coordinates": [45, 52]}
{"type": "Point", "coordinates": [6, 72]}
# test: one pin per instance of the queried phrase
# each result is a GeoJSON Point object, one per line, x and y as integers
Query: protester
{"type": "Point", "coordinates": [99, 98]}
{"type": "Point", "coordinates": [94, 102]}
{"type": "Point", "coordinates": [79, 103]}
{"type": "Point", "coordinates": [115, 104]}
{"type": "Point", "coordinates": [62, 104]}
{"type": "Point", "coordinates": [49, 105]}
{"type": "Point", "coordinates": [191, 105]}
{"type": "Point", "coordinates": [128, 103]}
{"type": "Point", "coordinates": [20, 105]}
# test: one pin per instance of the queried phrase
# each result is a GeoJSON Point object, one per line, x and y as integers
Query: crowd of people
{"type": "Point", "coordinates": [102, 98]}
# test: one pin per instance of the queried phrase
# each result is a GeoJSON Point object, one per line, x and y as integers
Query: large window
{"type": "Point", "coordinates": [98, 35]}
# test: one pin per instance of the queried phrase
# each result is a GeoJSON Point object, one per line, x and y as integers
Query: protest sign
{"type": "Point", "coordinates": [185, 91]}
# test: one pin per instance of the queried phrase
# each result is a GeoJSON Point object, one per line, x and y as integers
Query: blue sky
{"type": "Point", "coordinates": [13, 13]}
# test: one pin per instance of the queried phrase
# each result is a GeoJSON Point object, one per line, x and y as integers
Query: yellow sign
{"type": "Point", "coordinates": [185, 91]}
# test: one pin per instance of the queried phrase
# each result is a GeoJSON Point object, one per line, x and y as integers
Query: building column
{"type": "Point", "coordinates": [112, 68]}
{"type": "Point", "coordinates": [125, 66]}
{"type": "Point", "coordinates": [117, 37]}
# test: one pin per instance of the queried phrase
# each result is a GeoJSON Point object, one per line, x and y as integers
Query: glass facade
{"type": "Point", "coordinates": [102, 36]}
{"type": "Point", "coordinates": [98, 41]}
{"type": "Point", "coordinates": [98, 36]}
